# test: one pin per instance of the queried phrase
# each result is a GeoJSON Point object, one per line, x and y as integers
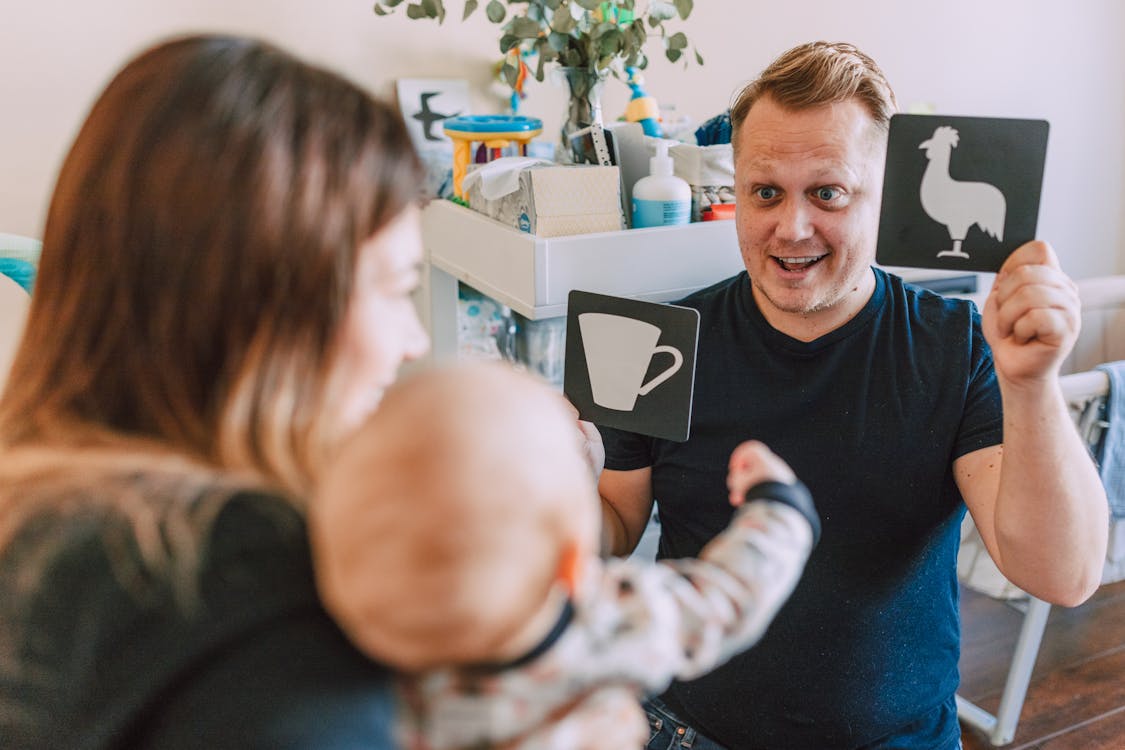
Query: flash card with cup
{"type": "Point", "coordinates": [960, 193]}
{"type": "Point", "coordinates": [631, 364]}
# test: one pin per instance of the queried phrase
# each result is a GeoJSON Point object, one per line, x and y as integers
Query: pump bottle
{"type": "Point", "coordinates": [661, 199]}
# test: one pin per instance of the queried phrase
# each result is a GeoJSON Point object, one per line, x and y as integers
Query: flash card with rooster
{"type": "Point", "coordinates": [960, 193]}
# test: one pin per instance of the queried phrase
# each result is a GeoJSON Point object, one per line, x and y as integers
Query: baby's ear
{"type": "Point", "coordinates": [570, 565]}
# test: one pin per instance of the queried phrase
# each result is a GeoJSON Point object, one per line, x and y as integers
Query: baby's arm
{"type": "Point", "coordinates": [682, 618]}
{"type": "Point", "coordinates": [752, 463]}
{"type": "Point", "coordinates": [642, 624]}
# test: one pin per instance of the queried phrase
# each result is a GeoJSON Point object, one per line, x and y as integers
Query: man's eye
{"type": "Point", "coordinates": [766, 193]}
{"type": "Point", "coordinates": [827, 194]}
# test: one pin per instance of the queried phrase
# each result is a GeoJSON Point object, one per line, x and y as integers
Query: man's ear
{"type": "Point", "coordinates": [570, 566]}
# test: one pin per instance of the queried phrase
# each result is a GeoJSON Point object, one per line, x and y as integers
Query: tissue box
{"type": "Point", "coordinates": [556, 200]}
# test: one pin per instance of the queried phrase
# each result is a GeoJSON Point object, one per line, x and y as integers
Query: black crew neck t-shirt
{"type": "Point", "coordinates": [871, 417]}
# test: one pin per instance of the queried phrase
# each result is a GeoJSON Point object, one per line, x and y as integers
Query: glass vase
{"type": "Point", "coordinates": [584, 107]}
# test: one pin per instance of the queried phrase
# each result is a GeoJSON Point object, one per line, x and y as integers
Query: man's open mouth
{"type": "Point", "coordinates": [799, 263]}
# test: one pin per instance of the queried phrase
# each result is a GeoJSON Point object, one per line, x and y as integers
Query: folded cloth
{"type": "Point", "coordinates": [1111, 453]}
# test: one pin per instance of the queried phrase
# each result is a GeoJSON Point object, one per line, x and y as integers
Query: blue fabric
{"type": "Point", "coordinates": [715, 131]}
{"type": "Point", "coordinates": [22, 272]}
{"type": "Point", "coordinates": [871, 417]}
{"type": "Point", "coordinates": [1111, 456]}
{"type": "Point", "coordinates": [667, 731]}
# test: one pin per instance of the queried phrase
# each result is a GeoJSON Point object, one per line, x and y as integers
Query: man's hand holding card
{"type": "Point", "coordinates": [962, 193]}
{"type": "Point", "coordinates": [1032, 315]}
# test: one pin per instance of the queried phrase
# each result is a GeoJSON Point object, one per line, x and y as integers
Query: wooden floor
{"type": "Point", "coordinates": [1077, 696]}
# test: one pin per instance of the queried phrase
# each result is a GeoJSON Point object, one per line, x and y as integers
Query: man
{"type": "Point", "coordinates": [886, 400]}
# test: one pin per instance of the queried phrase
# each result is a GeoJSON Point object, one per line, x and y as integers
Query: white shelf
{"type": "Point", "coordinates": [533, 275]}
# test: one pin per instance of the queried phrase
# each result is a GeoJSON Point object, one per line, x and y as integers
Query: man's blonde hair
{"type": "Point", "coordinates": [818, 73]}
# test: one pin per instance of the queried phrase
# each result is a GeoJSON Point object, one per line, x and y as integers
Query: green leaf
{"type": "Point", "coordinates": [698, 57]}
{"type": "Point", "coordinates": [610, 42]}
{"type": "Point", "coordinates": [430, 7]}
{"type": "Point", "coordinates": [677, 41]}
{"type": "Point", "coordinates": [495, 11]}
{"type": "Point", "coordinates": [415, 11]}
{"type": "Point", "coordinates": [381, 11]}
{"type": "Point", "coordinates": [552, 4]}
{"type": "Point", "coordinates": [672, 54]}
{"type": "Point", "coordinates": [470, 8]}
{"type": "Point", "coordinates": [588, 4]}
{"type": "Point", "coordinates": [507, 41]}
{"type": "Point", "coordinates": [392, 3]}
{"type": "Point", "coordinates": [563, 23]}
{"type": "Point", "coordinates": [638, 34]}
{"type": "Point", "coordinates": [546, 54]}
{"type": "Point", "coordinates": [558, 41]}
{"type": "Point", "coordinates": [535, 11]}
{"type": "Point", "coordinates": [524, 28]}
{"type": "Point", "coordinates": [684, 7]}
{"type": "Point", "coordinates": [511, 73]}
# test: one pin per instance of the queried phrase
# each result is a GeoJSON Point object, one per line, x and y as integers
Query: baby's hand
{"type": "Point", "coordinates": [589, 443]}
{"type": "Point", "coordinates": [752, 463]}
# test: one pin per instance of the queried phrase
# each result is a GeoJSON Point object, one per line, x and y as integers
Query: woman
{"type": "Point", "coordinates": [224, 290]}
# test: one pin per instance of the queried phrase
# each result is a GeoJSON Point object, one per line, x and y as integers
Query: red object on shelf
{"type": "Point", "coordinates": [717, 211]}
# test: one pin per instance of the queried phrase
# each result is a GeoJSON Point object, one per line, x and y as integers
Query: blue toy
{"type": "Point", "coordinates": [642, 108]}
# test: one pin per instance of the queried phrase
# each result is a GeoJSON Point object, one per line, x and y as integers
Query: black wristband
{"type": "Point", "coordinates": [795, 495]}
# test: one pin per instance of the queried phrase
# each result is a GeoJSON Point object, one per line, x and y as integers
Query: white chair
{"type": "Point", "coordinates": [1102, 340]}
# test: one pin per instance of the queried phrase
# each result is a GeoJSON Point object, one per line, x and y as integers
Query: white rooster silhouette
{"type": "Point", "coordinates": [958, 205]}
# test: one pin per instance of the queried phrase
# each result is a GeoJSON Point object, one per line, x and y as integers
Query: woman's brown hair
{"type": "Point", "coordinates": [198, 259]}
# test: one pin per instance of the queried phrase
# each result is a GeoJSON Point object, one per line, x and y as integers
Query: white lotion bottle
{"type": "Point", "coordinates": [661, 199]}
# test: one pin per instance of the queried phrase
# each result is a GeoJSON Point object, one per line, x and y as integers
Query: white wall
{"type": "Point", "coordinates": [1022, 58]}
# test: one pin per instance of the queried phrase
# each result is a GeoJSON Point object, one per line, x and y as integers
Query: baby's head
{"type": "Point", "coordinates": [450, 518]}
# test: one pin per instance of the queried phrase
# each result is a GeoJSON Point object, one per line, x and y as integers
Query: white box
{"type": "Point", "coordinates": [534, 275]}
{"type": "Point", "coordinates": [555, 201]}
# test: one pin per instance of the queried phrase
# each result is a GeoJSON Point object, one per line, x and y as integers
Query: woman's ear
{"type": "Point", "coordinates": [570, 565]}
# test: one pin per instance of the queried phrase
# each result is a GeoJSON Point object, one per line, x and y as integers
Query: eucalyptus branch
{"type": "Point", "coordinates": [598, 35]}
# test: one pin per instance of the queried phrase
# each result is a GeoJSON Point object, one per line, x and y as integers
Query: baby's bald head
{"type": "Point", "coordinates": [443, 522]}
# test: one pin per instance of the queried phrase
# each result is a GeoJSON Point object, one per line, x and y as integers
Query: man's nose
{"type": "Point", "coordinates": [794, 221]}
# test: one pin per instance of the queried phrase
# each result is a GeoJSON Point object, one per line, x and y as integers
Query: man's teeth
{"type": "Point", "coordinates": [798, 264]}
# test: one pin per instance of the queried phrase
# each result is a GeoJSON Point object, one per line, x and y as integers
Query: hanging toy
{"type": "Point", "coordinates": [509, 86]}
{"type": "Point", "coordinates": [642, 108]}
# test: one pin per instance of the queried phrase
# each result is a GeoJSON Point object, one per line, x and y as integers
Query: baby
{"type": "Point", "coordinates": [455, 538]}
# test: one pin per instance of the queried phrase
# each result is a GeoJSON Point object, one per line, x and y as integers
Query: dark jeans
{"type": "Point", "coordinates": [669, 732]}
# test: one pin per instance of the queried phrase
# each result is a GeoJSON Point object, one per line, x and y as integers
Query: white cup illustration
{"type": "Point", "coordinates": [618, 353]}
